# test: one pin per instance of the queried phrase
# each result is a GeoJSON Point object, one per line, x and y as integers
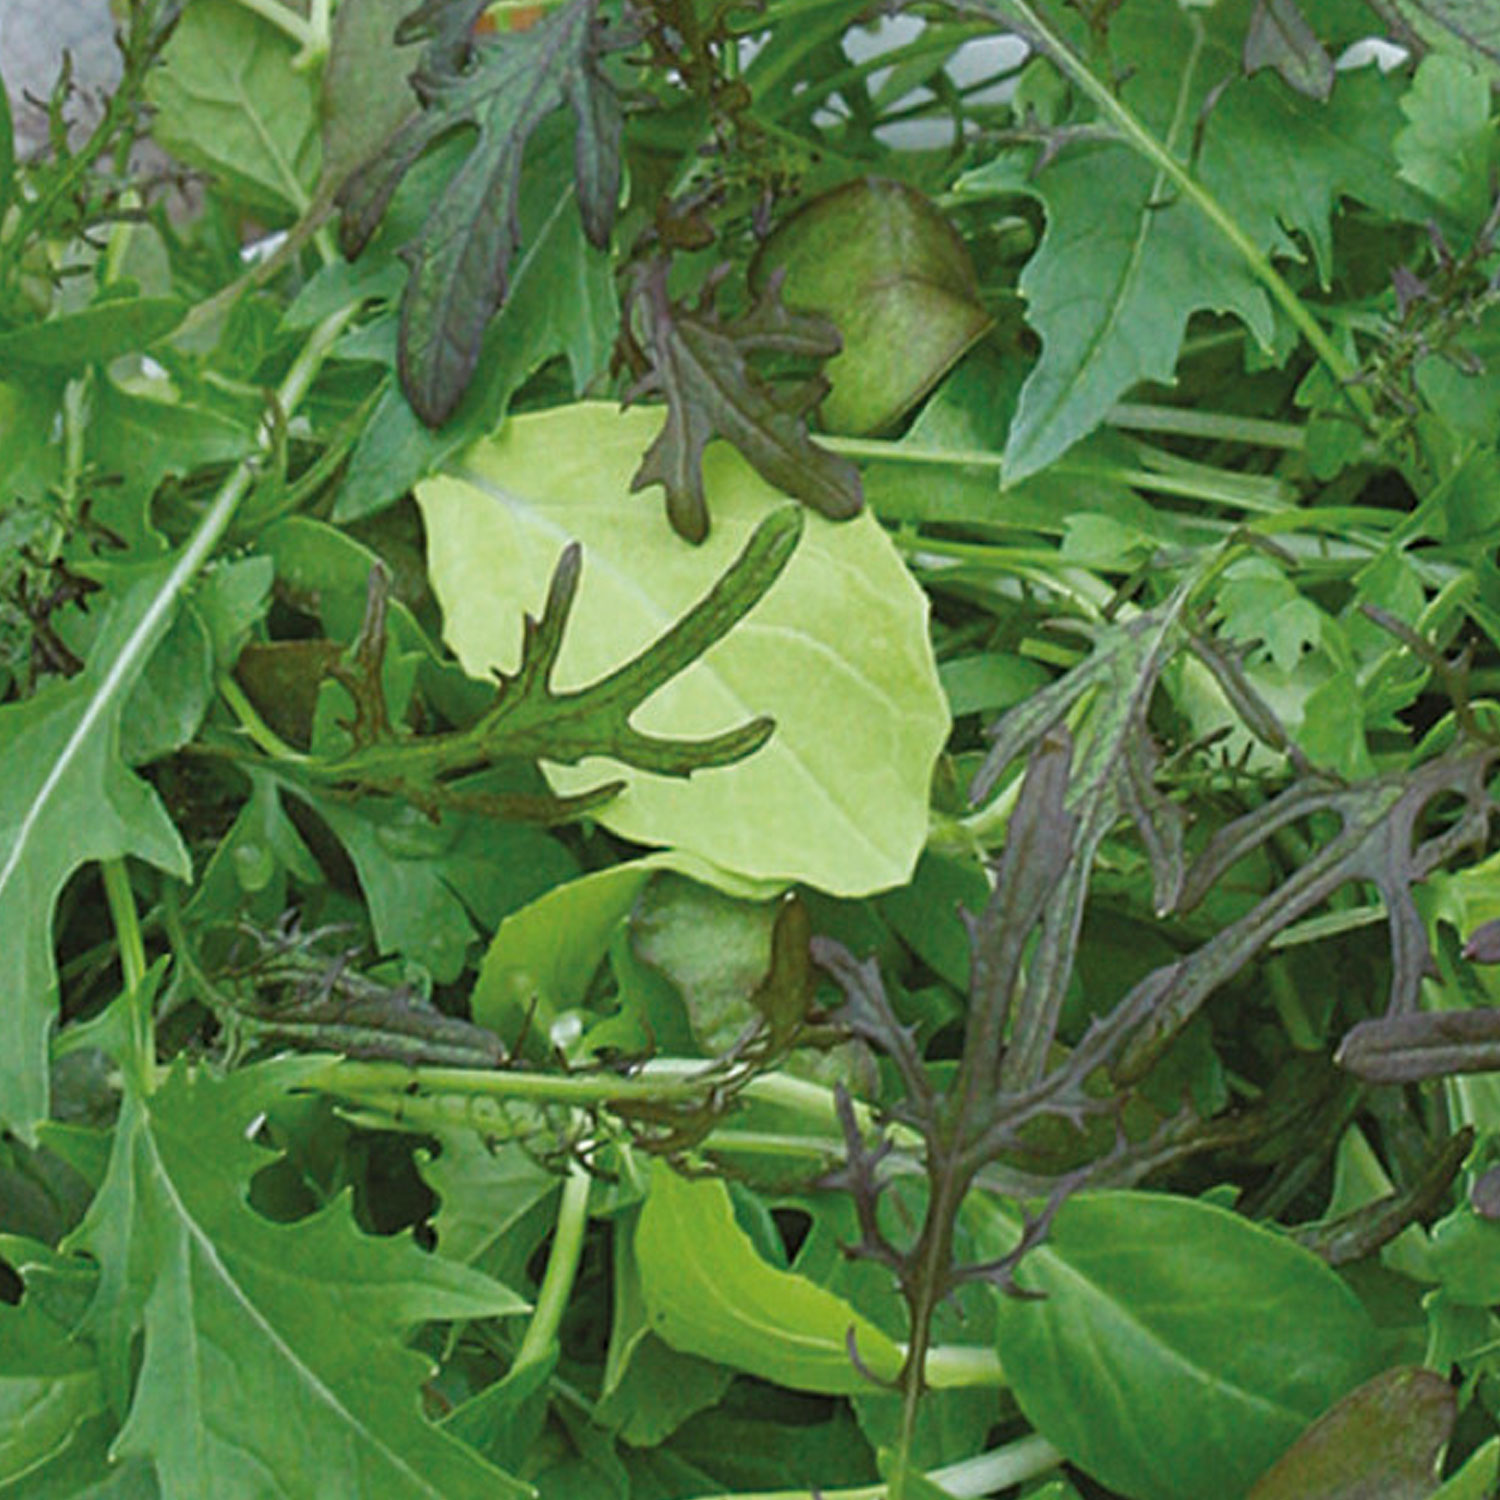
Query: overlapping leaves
{"type": "Point", "coordinates": [502, 89]}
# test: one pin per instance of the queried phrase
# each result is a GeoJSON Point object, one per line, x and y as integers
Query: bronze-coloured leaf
{"type": "Point", "coordinates": [1381, 1442]}
{"type": "Point", "coordinates": [878, 258]}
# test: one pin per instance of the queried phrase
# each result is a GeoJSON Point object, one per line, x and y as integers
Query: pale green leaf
{"type": "Point", "coordinates": [649, 1389]}
{"type": "Point", "coordinates": [67, 799]}
{"type": "Point", "coordinates": [272, 1360]}
{"type": "Point", "coordinates": [1476, 1480]}
{"type": "Point", "coordinates": [707, 1292]}
{"type": "Point", "coordinates": [543, 956]}
{"type": "Point", "coordinates": [1447, 149]}
{"type": "Point", "coordinates": [837, 653]}
{"type": "Point", "coordinates": [228, 101]}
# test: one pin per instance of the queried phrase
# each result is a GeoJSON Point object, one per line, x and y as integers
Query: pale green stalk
{"type": "Point", "coordinates": [985, 1474]}
{"type": "Point", "coordinates": [562, 1270]}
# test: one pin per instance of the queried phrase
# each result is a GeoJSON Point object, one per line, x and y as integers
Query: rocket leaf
{"type": "Point", "coordinates": [1125, 260]}
{"type": "Point", "coordinates": [68, 799]}
{"type": "Point", "coordinates": [272, 1359]}
{"type": "Point", "coordinates": [503, 88]}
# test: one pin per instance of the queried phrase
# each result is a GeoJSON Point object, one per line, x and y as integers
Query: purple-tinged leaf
{"type": "Point", "coordinates": [503, 88]}
{"type": "Point", "coordinates": [699, 364]}
{"type": "Point", "coordinates": [1433, 1044]}
{"type": "Point", "coordinates": [1279, 37]}
{"type": "Point", "coordinates": [1483, 946]}
{"type": "Point", "coordinates": [1381, 1442]}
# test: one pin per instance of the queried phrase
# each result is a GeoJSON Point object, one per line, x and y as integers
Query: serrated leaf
{"type": "Point", "coordinates": [273, 1357]}
{"type": "Point", "coordinates": [67, 799]}
{"type": "Point", "coordinates": [698, 363]}
{"type": "Point", "coordinates": [1124, 262]}
{"type": "Point", "coordinates": [227, 100]}
{"type": "Point", "coordinates": [461, 261]}
{"type": "Point", "coordinates": [836, 652]}
{"type": "Point", "coordinates": [1447, 148]}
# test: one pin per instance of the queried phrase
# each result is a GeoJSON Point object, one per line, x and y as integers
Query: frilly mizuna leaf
{"type": "Point", "coordinates": [836, 653]}
{"type": "Point", "coordinates": [67, 798]}
{"type": "Point", "coordinates": [699, 364]}
{"type": "Point", "coordinates": [273, 1358]}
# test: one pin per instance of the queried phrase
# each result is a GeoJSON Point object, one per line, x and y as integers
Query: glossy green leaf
{"type": "Point", "coordinates": [707, 1292]}
{"type": "Point", "coordinates": [836, 653]}
{"type": "Point", "coordinates": [544, 956]}
{"type": "Point", "coordinates": [1381, 1442]}
{"type": "Point", "coordinates": [273, 1359]}
{"type": "Point", "coordinates": [1177, 1341]}
{"type": "Point", "coordinates": [879, 259]}
{"type": "Point", "coordinates": [228, 102]}
{"type": "Point", "coordinates": [70, 799]}
{"type": "Point", "coordinates": [107, 329]}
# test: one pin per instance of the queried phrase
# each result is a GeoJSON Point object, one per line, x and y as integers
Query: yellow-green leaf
{"type": "Point", "coordinates": [836, 653]}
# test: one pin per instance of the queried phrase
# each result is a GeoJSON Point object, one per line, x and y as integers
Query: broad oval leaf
{"type": "Point", "coordinates": [878, 258]}
{"type": "Point", "coordinates": [707, 1292]}
{"type": "Point", "coordinates": [836, 653]}
{"type": "Point", "coordinates": [1175, 1340]}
